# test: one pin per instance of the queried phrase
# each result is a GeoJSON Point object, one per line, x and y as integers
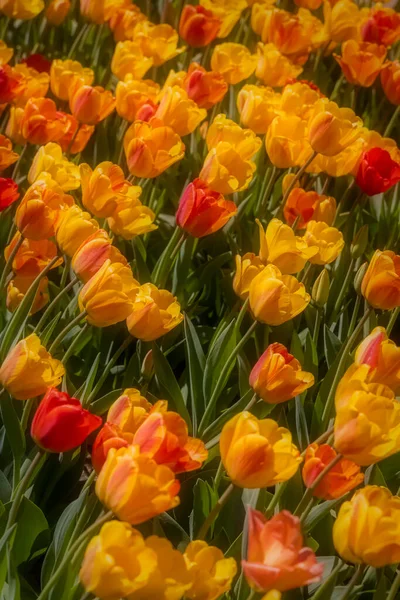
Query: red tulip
{"type": "Point", "coordinates": [38, 62]}
{"type": "Point", "coordinates": [202, 211]}
{"type": "Point", "coordinates": [11, 84]}
{"type": "Point", "coordinates": [198, 26]}
{"type": "Point", "coordinates": [377, 172]}
{"type": "Point", "coordinates": [382, 27]}
{"type": "Point", "coordinates": [8, 192]}
{"type": "Point", "coordinates": [60, 423]}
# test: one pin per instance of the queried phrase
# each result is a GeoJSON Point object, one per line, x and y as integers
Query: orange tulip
{"type": "Point", "coordinates": [12, 84]}
{"type": "Point", "coordinates": [90, 105]}
{"type": "Point", "coordinates": [307, 206]}
{"type": "Point", "coordinates": [18, 287]}
{"type": "Point", "coordinates": [66, 73]}
{"type": "Point", "coordinates": [33, 84]}
{"type": "Point", "coordinates": [7, 156]}
{"type": "Point", "coordinates": [14, 125]}
{"type": "Point", "coordinates": [129, 411]}
{"type": "Point", "coordinates": [32, 255]}
{"type": "Point", "coordinates": [206, 88]}
{"type": "Point", "coordinates": [109, 436]}
{"type": "Point", "coordinates": [361, 62]}
{"type": "Point", "coordinates": [390, 79]}
{"type": "Point", "coordinates": [123, 21]}
{"type": "Point", "coordinates": [77, 136]}
{"type": "Point", "coordinates": [131, 94]}
{"type": "Point", "coordinates": [42, 122]}
{"type": "Point", "coordinates": [343, 476]}
{"type": "Point", "coordinates": [382, 26]}
{"type": "Point", "coordinates": [277, 376]}
{"type": "Point", "coordinates": [198, 26]}
{"type": "Point", "coordinates": [6, 53]}
{"type": "Point", "coordinates": [102, 187]}
{"type": "Point", "coordinates": [57, 11]}
{"type": "Point", "coordinates": [381, 283]}
{"type": "Point", "coordinates": [234, 61]}
{"type": "Point", "coordinates": [273, 67]}
{"type": "Point", "coordinates": [93, 253]}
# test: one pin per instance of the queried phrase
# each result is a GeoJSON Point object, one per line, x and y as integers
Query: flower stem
{"type": "Point", "coordinates": [393, 319]}
{"type": "Point", "coordinates": [66, 329]}
{"type": "Point", "coordinates": [392, 122]}
{"type": "Point", "coordinates": [342, 293]}
{"type": "Point", "coordinates": [53, 303]}
{"type": "Point", "coordinates": [166, 260]}
{"type": "Point", "coordinates": [36, 464]}
{"type": "Point", "coordinates": [353, 582]}
{"type": "Point", "coordinates": [215, 512]}
{"type": "Point", "coordinates": [395, 587]}
{"type": "Point", "coordinates": [303, 504]}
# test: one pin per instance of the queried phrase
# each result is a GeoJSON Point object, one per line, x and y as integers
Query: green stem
{"type": "Point", "coordinates": [342, 293]}
{"type": "Point", "coordinates": [215, 512]}
{"type": "Point", "coordinates": [10, 261]}
{"type": "Point", "coordinates": [353, 582]}
{"type": "Point", "coordinates": [267, 192]}
{"type": "Point", "coordinates": [279, 489]}
{"type": "Point", "coordinates": [392, 121]}
{"type": "Point", "coordinates": [78, 39]}
{"type": "Point", "coordinates": [392, 321]}
{"type": "Point", "coordinates": [337, 87]}
{"type": "Point", "coordinates": [18, 163]}
{"type": "Point", "coordinates": [251, 595]}
{"type": "Point", "coordinates": [326, 415]}
{"type": "Point", "coordinates": [297, 177]}
{"type": "Point", "coordinates": [318, 321]}
{"type": "Point", "coordinates": [36, 464]}
{"type": "Point", "coordinates": [74, 343]}
{"type": "Point", "coordinates": [26, 412]}
{"type": "Point", "coordinates": [343, 200]}
{"type": "Point", "coordinates": [224, 372]}
{"type": "Point", "coordinates": [163, 266]}
{"type": "Point", "coordinates": [66, 329]}
{"type": "Point", "coordinates": [326, 587]}
{"type": "Point", "coordinates": [354, 315]}
{"type": "Point", "coordinates": [304, 502]}
{"type": "Point", "coordinates": [241, 314]}
{"type": "Point", "coordinates": [53, 303]}
{"type": "Point", "coordinates": [395, 587]}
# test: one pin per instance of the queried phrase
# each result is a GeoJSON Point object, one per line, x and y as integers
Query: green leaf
{"type": "Point", "coordinates": [142, 272]}
{"type": "Point", "coordinates": [31, 522]}
{"type": "Point", "coordinates": [11, 423]}
{"type": "Point", "coordinates": [317, 513]}
{"type": "Point", "coordinates": [168, 383]}
{"type": "Point", "coordinates": [84, 395]}
{"type": "Point", "coordinates": [7, 537]}
{"type": "Point", "coordinates": [332, 345]}
{"type": "Point", "coordinates": [47, 332]}
{"type": "Point", "coordinates": [236, 408]}
{"type": "Point", "coordinates": [374, 476]}
{"type": "Point", "coordinates": [5, 488]}
{"type": "Point", "coordinates": [204, 498]}
{"type": "Point", "coordinates": [217, 357]}
{"type": "Point", "coordinates": [311, 357]}
{"type": "Point", "coordinates": [301, 423]}
{"type": "Point", "coordinates": [196, 362]}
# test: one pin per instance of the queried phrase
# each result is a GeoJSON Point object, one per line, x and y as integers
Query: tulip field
{"type": "Point", "coordinates": [199, 300]}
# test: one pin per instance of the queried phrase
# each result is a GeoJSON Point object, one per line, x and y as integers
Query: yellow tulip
{"type": "Point", "coordinates": [211, 573]}
{"type": "Point", "coordinates": [64, 72]}
{"type": "Point", "coordinates": [273, 67]}
{"type": "Point", "coordinates": [234, 61]}
{"type": "Point", "coordinates": [50, 159]}
{"type": "Point", "coordinates": [331, 128]}
{"type": "Point", "coordinates": [74, 226]}
{"type": "Point", "coordinates": [130, 217]}
{"type": "Point", "coordinates": [245, 141]}
{"type": "Point", "coordinates": [128, 59]}
{"type": "Point", "coordinates": [258, 106]}
{"type": "Point", "coordinates": [247, 267]}
{"type": "Point", "coordinates": [180, 113]}
{"type": "Point", "coordinates": [158, 42]}
{"type": "Point", "coordinates": [328, 240]}
{"type": "Point", "coordinates": [286, 142]}
{"type": "Point", "coordinates": [225, 170]}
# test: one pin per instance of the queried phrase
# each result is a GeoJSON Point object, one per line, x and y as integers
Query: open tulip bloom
{"type": "Point", "coordinates": [199, 300]}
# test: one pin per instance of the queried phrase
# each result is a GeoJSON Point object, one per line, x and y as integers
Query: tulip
{"type": "Point", "coordinates": [57, 11]}
{"type": "Point", "coordinates": [164, 437]}
{"type": "Point", "coordinates": [7, 156]}
{"type": "Point", "coordinates": [228, 11]}
{"type": "Point", "coordinates": [65, 73]}
{"type": "Point", "coordinates": [36, 62]}
{"type": "Point", "coordinates": [276, 558]}
{"type": "Point", "coordinates": [131, 94]}
{"type": "Point", "coordinates": [361, 62]}
{"type": "Point", "coordinates": [225, 171]}
{"type": "Point", "coordinates": [378, 512]}
{"type": "Point", "coordinates": [28, 369]}
{"type": "Point", "coordinates": [382, 26]}
{"type": "Point", "coordinates": [6, 53]}
{"type": "Point", "coordinates": [377, 360]}
{"type": "Point", "coordinates": [150, 148]}
{"type": "Point", "coordinates": [33, 84]}
{"type": "Point", "coordinates": [310, 4]}
{"type": "Point", "coordinates": [328, 240]}
{"type": "Point", "coordinates": [258, 106]}
{"type": "Point", "coordinates": [320, 289]}
{"type": "Point", "coordinates": [49, 159]}
{"type": "Point", "coordinates": [282, 248]}
{"type": "Point", "coordinates": [134, 487]}
{"type": "Point", "coordinates": [273, 67]}
{"type": "Point", "coordinates": [60, 423]}
{"type": "Point", "coordinates": [14, 129]}
{"type": "Point", "coordinates": [39, 209]}
{"type": "Point", "coordinates": [234, 61]}
{"type": "Point", "coordinates": [93, 253]}
{"type": "Point", "coordinates": [130, 218]}
{"type": "Point", "coordinates": [298, 98]}
{"type": "Point", "coordinates": [109, 436]}
{"type": "Point", "coordinates": [367, 424]}
{"type": "Point", "coordinates": [109, 295]}
{"type": "Point", "coordinates": [77, 136]}
{"type": "Point", "coordinates": [343, 476]}
{"type": "Point", "coordinates": [90, 105]}
{"type": "Point", "coordinates": [276, 298]}
{"type": "Point", "coordinates": [8, 192]}
{"type": "Point", "coordinates": [202, 211]}
{"type": "Point", "coordinates": [11, 84]}
{"type": "Point", "coordinates": [21, 9]}
{"type": "Point", "coordinates": [390, 79]}
{"type": "Point", "coordinates": [247, 267]}
{"type": "Point", "coordinates": [102, 187]}
{"type": "Point", "coordinates": [257, 453]}
{"type": "Point", "coordinates": [154, 313]}
{"type": "Point", "coordinates": [32, 255]}
{"type": "Point", "coordinates": [377, 172]}
{"type": "Point", "coordinates": [124, 20]}
{"type": "Point", "coordinates": [129, 411]}
{"type": "Point", "coordinates": [198, 26]}
{"type": "Point", "coordinates": [332, 129]}
{"type": "Point", "coordinates": [244, 141]}
{"type": "Point", "coordinates": [128, 59]}
{"type": "Point", "coordinates": [42, 122]}
{"type": "Point", "coordinates": [93, 10]}
{"type": "Point", "coordinates": [342, 21]}
{"type": "Point", "coordinates": [158, 42]}
{"type": "Point", "coordinates": [73, 228]}
{"type": "Point", "coordinates": [277, 376]}
{"type": "Point", "coordinates": [381, 283]}
{"type": "Point", "coordinates": [117, 562]}
{"type": "Point", "coordinates": [210, 572]}
{"type": "Point", "coordinates": [18, 287]}
{"type": "Point", "coordinates": [307, 206]}
{"type": "Point", "coordinates": [180, 113]}
{"type": "Point", "coordinates": [286, 142]}
{"type": "Point", "coordinates": [206, 88]}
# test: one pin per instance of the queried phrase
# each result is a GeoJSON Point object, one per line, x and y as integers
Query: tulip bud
{"type": "Point", "coordinates": [320, 290]}
{"type": "Point", "coordinates": [359, 242]}
{"type": "Point", "coordinates": [148, 365]}
{"type": "Point", "coordinates": [359, 277]}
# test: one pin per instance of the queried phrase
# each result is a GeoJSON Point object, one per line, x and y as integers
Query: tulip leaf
{"type": "Point", "coordinates": [311, 356]}
{"type": "Point", "coordinates": [12, 425]}
{"type": "Point", "coordinates": [84, 395]}
{"type": "Point", "coordinates": [47, 332]}
{"type": "Point", "coordinates": [216, 359]}
{"type": "Point", "coordinates": [31, 522]}
{"type": "Point", "coordinates": [196, 362]}
{"type": "Point", "coordinates": [301, 423]}
{"type": "Point", "coordinates": [5, 488]}
{"type": "Point", "coordinates": [141, 270]}
{"type": "Point", "coordinates": [332, 345]}
{"type": "Point", "coordinates": [101, 405]}
{"type": "Point", "coordinates": [8, 536]}
{"type": "Point", "coordinates": [168, 383]}
{"type": "Point", "coordinates": [204, 498]}
{"type": "Point", "coordinates": [317, 513]}
{"type": "Point", "coordinates": [218, 423]}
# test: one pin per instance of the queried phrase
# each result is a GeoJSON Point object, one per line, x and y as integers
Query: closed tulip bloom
{"type": "Point", "coordinates": [331, 128]}
{"type": "Point", "coordinates": [228, 11]}
{"type": "Point", "coordinates": [90, 105]}
{"type": "Point", "coordinates": [73, 227]}
{"type": "Point", "coordinates": [108, 296]}
{"type": "Point", "coordinates": [247, 267]}
{"type": "Point", "coordinates": [225, 171]}
{"type": "Point", "coordinates": [32, 255]}
{"type": "Point", "coordinates": [134, 487]}
{"type": "Point", "coordinates": [150, 148]}
{"type": "Point", "coordinates": [57, 11]}
{"type": "Point", "coordinates": [375, 510]}
{"type": "Point", "coordinates": [28, 369]}
{"type": "Point", "coordinates": [18, 287]}
{"type": "Point", "coordinates": [128, 58]}
{"type": "Point", "coordinates": [382, 26]}
{"type": "Point", "coordinates": [39, 209]}
{"type": "Point", "coordinates": [180, 113]}
{"type": "Point", "coordinates": [60, 423]}
{"type": "Point", "coordinates": [21, 9]}
{"type": "Point", "coordinates": [361, 62]}
{"type": "Point", "coordinates": [93, 253]}
{"type": "Point", "coordinates": [342, 477]}
{"type": "Point", "coordinates": [117, 562]}
{"type": "Point", "coordinates": [276, 557]}
{"type": "Point", "coordinates": [123, 21]}
{"type": "Point", "coordinates": [14, 127]}
{"type": "Point", "coordinates": [245, 141]}
{"type": "Point", "coordinates": [7, 156]}
{"type": "Point", "coordinates": [64, 73]}
{"type": "Point", "coordinates": [286, 142]}
{"type": "Point", "coordinates": [130, 217]}
{"type": "Point", "coordinates": [158, 42]}
{"type": "Point", "coordinates": [6, 53]}
{"type": "Point", "coordinates": [328, 240]}
{"type": "Point", "coordinates": [257, 453]}
{"type": "Point", "coordinates": [49, 159]}
{"type": "Point", "coordinates": [281, 247]}
{"type": "Point", "coordinates": [390, 80]}
{"type": "Point", "coordinates": [342, 21]}
{"type": "Point", "coordinates": [234, 61]}
{"type": "Point", "coordinates": [109, 436]}
{"type": "Point", "coordinates": [42, 122]}
{"type": "Point", "coordinates": [206, 88]}
{"type": "Point", "coordinates": [276, 298]}
{"type": "Point", "coordinates": [102, 187]}
{"type": "Point", "coordinates": [307, 206]}
{"type": "Point", "coordinates": [202, 211]}
{"type": "Point", "coordinates": [77, 136]}
{"type": "Point", "coordinates": [154, 313]}
{"type": "Point", "coordinates": [198, 26]}
{"type": "Point", "coordinates": [381, 283]}
{"type": "Point", "coordinates": [377, 172]}
{"type": "Point", "coordinates": [129, 410]}
{"type": "Point", "coordinates": [8, 192]}
{"type": "Point", "coordinates": [210, 571]}
{"type": "Point", "coordinates": [273, 67]}
{"type": "Point", "coordinates": [258, 106]}
{"type": "Point", "coordinates": [277, 376]}
{"type": "Point", "coordinates": [131, 94]}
